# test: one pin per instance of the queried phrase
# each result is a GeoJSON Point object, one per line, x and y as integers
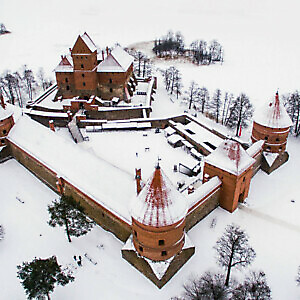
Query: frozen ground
{"type": "Point", "coordinates": [261, 43]}
{"type": "Point", "coordinates": [270, 219]}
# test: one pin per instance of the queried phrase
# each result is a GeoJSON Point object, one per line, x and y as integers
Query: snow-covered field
{"type": "Point", "coordinates": [261, 43]}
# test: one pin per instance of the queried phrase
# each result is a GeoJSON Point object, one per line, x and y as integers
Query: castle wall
{"type": "Point", "coordinates": [202, 208]}
{"type": "Point", "coordinates": [106, 219]}
{"type": "Point", "coordinates": [66, 84]}
{"type": "Point", "coordinates": [115, 114]}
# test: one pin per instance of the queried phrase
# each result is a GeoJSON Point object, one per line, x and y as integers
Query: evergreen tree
{"type": "Point", "coordinates": [240, 112]}
{"type": "Point", "coordinates": [40, 276]}
{"type": "Point", "coordinates": [234, 250]}
{"type": "Point", "coordinates": [69, 213]}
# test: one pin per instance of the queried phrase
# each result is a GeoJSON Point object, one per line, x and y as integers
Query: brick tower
{"type": "Point", "coordinates": [158, 218]}
{"type": "Point", "coordinates": [232, 164]}
{"type": "Point", "coordinates": [272, 124]}
{"type": "Point", "coordinates": [6, 121]}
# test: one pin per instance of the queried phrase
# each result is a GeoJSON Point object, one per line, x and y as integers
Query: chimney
{"type": "Point", "coordinates": [69, 116]}
{"type": "Point", "coordinates": [138, 179]}
{"type": "Point", "coordinates": [107, 51]}
{"type": "Point", "coordinates": [51, 125]}
{"type": "Point", "coordinates": [102, 54]}
{"type": "Point", "coordinates": [191, 189]}
{"type": "Point", "coordinates": [2, 101]}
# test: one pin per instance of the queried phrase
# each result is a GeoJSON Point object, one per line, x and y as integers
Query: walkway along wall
{"type": "Point", "coordinates": [94, 210]}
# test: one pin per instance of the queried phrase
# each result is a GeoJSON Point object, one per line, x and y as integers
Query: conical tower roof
{"type": "Point", "coordinates": [231, 157]}
{"type": "Point", "coordinates": [273, 115]}
{"type": "Point", "coordinates": [159, 203]}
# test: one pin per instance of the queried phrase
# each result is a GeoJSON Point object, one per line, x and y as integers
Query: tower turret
{"type": "Point", "coordinates": [272, 124]}
{"type": "Point", "coordinates": [158, 218]}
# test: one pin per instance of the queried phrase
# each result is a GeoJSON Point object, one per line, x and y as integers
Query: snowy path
{"type": "Point", "coordinates": [269, 218]}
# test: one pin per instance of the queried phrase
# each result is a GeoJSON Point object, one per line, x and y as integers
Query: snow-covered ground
{"type": "Point", "coordinates": [270, 218]}
{"type": "Point", "coordinates": [261, 44]}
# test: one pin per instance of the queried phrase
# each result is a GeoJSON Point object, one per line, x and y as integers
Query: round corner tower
{"type": "Point", "coordinates": [158, 218]}
{"type": "Point", "coordinates": [272, 125]}
{"type": "Point", "coordinates": [6, 121]}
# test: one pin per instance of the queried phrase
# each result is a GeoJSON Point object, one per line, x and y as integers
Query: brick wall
{"type": "Point", "coordinates": [99, 214]}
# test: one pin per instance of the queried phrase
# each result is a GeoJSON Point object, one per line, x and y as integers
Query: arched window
{"type": "Point", "coordinates": [111, 90]}
{"type": "Point", "coordinates": [68, 87]}
{"type": "Point", "coordinates": [82, 75]}
{"type": "Point", "coordinates": [81, 66]}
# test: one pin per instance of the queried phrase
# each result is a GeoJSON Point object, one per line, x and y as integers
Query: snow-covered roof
{"type": "Point", "coordinates": [231, 157]}
{"type": "Point", "coordinates": [65, 65]}
{"type": "Point", "coordinates": [117, 61]}
{"type": "Point", "coordinates": [88, 41]}
{"type": "Point", "coordinates": [273, 115]}
{"type": "Point", "coordinates": [159, 203]}
{"type": "Point", "coordinates": [5, 113]}
{"type": "Point", "coordinates": [90, 173]}
{"type": "Point", "coordinates": [255, 148]}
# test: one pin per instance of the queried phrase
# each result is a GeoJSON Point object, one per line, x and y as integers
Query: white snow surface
{"type": "Point", "coordinates": [118, 61]}
{"type": "Point", "coordinates": [91, 174]}
{"type": "Point", "coordinates": [88, 41]}
{"type": "Point", "coordinates": [259, 40]}
{"type": "Point", "coordinates": [231, 157]}
{"type": "Point", "coordinates": [266, 115]}
{"type": "Point", "coordinates": [5, 113]}
{"type": "Point", "coordinates": [270, 157]}
{"type": "Point", "coordinates": [159, 203]}
{"type": "Point", "coordinates": [255, 148]}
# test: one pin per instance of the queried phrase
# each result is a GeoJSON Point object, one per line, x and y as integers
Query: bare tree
{"type": "Point", "coordinates": [203, 98]}
{"type": "Point", "coordinates": [226, 106]}
{"type": "Point", "coordinates": [192, 93]}
{"type": "Point", "coordinates": [29, 81]}
{"type": "Point", "coordinates": [216, 51]}
{"type": "Point", "coordinates": [233, 250]}
{"type": "Point", "coordinates": [208, 286]}
{"type": "Point", "coordinates": [241, 111]}
{"type": "Point", "coordinates": [1, 232]}
{"type": "Point", "coordinates": [254, 287]}
{"type": "Point", "coordinates": [215, 105]}
{"type": "Point", "coordinates": [293, 109]}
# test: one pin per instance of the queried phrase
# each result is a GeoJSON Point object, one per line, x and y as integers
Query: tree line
{"type": "Point", "coordinates": [223, 107]}
{"type": "Point", "coordinates": [199, 51]}
{"type": "Point", "coordinates": [22, 85]}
